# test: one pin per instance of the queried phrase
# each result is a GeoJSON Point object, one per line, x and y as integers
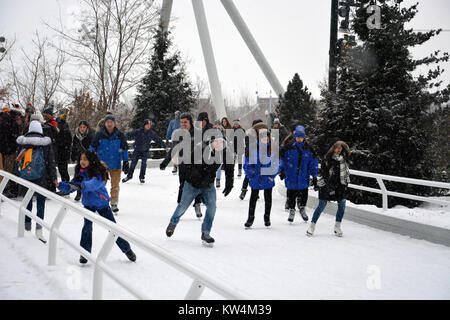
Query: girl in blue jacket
{"type": "Point", "coordinates": [90, 177]}
{"type": "Point", "coordinates": [297, 164]}
{"type": "Point", "coordinates": [261, 168]}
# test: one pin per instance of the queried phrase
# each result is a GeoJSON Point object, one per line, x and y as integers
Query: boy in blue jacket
{"type": "Point", "coordinates": [297, 164]}
{"type": "Point", "coordinates": [90, 178]}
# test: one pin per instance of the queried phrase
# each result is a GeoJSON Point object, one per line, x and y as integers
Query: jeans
{"type": "Point", "coordinates": [219, 173]}
{"type": "Point", "coordinates": [40, 200]}
{"type": "Point", "coordinates": [323, 204]}
{"type": "Point", "coordinates": [143, 155]}
{"type": "Point", "coordinates": [86, 233]}
{"type": "Point", "coordinates": [189, 193]}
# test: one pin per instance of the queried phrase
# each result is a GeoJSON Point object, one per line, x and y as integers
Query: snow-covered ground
{"type": "Point", "coordinates": [279, 262]}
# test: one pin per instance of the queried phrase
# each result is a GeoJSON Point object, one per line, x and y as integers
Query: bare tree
{"type": "Point", "coordinates": [112, 46]}
{"type": "Point", "coordinates": [37, 76]}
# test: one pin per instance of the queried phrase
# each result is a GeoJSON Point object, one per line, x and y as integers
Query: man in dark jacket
{"type": "Point", "coordinates": [200, 181]}
{"type": "Point", "coordinates": [143, 138]}
{"type": "Point", "coordinates": [50, 126]}
{"type": "Point", "coordinates": [63, 145]}
{"type": "Point", "coordinates": [239, 139]}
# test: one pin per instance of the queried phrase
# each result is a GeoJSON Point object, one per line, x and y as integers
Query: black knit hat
{"type": "Point", "coordinates": [203, 116]}
{"type": "Point", "coordinates": [147, 121]}
{"type": "Point", "coordinates": [256, 121]}
{"type": "Point", "coordinates": [110, 117]}
{"type": "Point", "coordinates": [48, 110]}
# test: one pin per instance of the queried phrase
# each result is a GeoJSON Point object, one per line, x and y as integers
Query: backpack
{"type": "Point", "coordinates": [31, 164]}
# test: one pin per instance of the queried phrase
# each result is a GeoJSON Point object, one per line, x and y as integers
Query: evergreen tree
{"type": "Point", "coordinates": [297, 106]}
{"type": "Point", "coordinates": [164, 89]}
{"type": "Point", "coordinates": [380, 109]}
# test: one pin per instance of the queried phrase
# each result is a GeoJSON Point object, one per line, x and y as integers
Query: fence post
{"type": "Point", "coordinates": [384, 193]}
{"type": "Point", "coordinates": [23, 205]}
{"type": "Point", "coordinates": [97, 290]}
{"type": "Point", "coordinates": [195, 291]}
{"type": "Point", "coordinates": [54, 237]}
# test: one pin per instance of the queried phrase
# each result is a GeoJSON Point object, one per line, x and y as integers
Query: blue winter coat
{"type": "Point", "coordinates": [298, 163]}
{"type": "Point", "coordinates": [143, 139]}
{"type": "Point", "coordinates": [93, 191]}
{"type": "Point", "coordinates": [173, 125]}
{"type": "Point", "coordinates": [253, 166]}
{"type": "Point", "coordinates": [111, 149]}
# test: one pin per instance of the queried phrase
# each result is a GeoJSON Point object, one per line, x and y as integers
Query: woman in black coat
{"type": "Point", "coordinates": [333, 181]}
{"type": "Point", "coordinates": [80, 143]}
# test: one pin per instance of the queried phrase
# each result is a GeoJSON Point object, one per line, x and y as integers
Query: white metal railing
{"type": "Point", "coordinates": [385, 193]}
{"type": "Point", "coordinates": [201, 280]}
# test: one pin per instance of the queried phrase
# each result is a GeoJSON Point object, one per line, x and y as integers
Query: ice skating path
{"type": "Point", "coordinates": [279, 262]}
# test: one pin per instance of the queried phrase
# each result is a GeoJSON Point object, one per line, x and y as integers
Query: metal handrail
{"type": "Point", "coordinates": [201, 280]}
{"type": "Point", "coordinates": [385, 193]}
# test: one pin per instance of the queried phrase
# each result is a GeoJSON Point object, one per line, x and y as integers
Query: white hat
{"type": "Point", "coordinates": [38, 117]}
{"type": "Point", "coordinates": [35, 126]}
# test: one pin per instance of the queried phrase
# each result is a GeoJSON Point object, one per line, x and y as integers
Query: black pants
{"type": "Point", "coordinates": [300, 195]}
{"type": "Point", "coordinates": [245, 183]}
{"type": "Point", "coordinates": [63, 171]}
{"type": "Point", "coordinates": [267, 203]}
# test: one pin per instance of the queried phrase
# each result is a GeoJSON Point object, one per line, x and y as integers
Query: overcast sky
{"type": "Point", "coordinates": [293, 34]}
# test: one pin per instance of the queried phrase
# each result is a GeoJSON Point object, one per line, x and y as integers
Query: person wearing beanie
{"type": "Point", "coordinates": [261, 167]}
{"type": "Point", "coordinates": [111, 146]}
{"type": "Point", "coordinates": [246, 180]}
{"type": "Point", "coordinates": [298, 163]}
{"type": "Point", "coordinates": [143, 138]}
{"type": "Point", "coordinates": [33, 145]}
{"type": "Point", "coordinates": [80, 143]}
{"type": "Point", "coordinates": [101, 122]}
{"type": "Point", "coordinates": [62, 148]}
{"type": "Point", "coordinates": [174, 124]}
{"type": "Point", "coordinates": [239, 145]}
{"type": "Point", "coordinates": [50, 125]}
{"type": "Point", "coordinates": [282, 131]}
{"type": "Point", "coordinates": [198, 180]}
{"type": "Point", "coordinates": [332, 184]}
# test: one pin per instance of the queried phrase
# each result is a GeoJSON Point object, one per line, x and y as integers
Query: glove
{"type": "Point", "coordinates": [74, 187]}
{"type": "Point", "coordinates": [282, 175]}
{"type": "Point", "coordinates": [227, 189]}
{"type": "Point", "coordinates": [162, 166]}
{"type": "Point", "coordinates": [64, 187]}
{"type": "Point", "coordinates": [314, 182]}
{"type": "Point", "coordinates": [125, 167]}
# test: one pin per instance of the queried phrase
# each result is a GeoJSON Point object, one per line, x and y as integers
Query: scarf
{"type": "Point", "coordinates": [344, 172]}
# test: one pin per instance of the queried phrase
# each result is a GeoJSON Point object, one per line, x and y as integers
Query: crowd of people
{"type": "Point", "coordinates": [33, 146]}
